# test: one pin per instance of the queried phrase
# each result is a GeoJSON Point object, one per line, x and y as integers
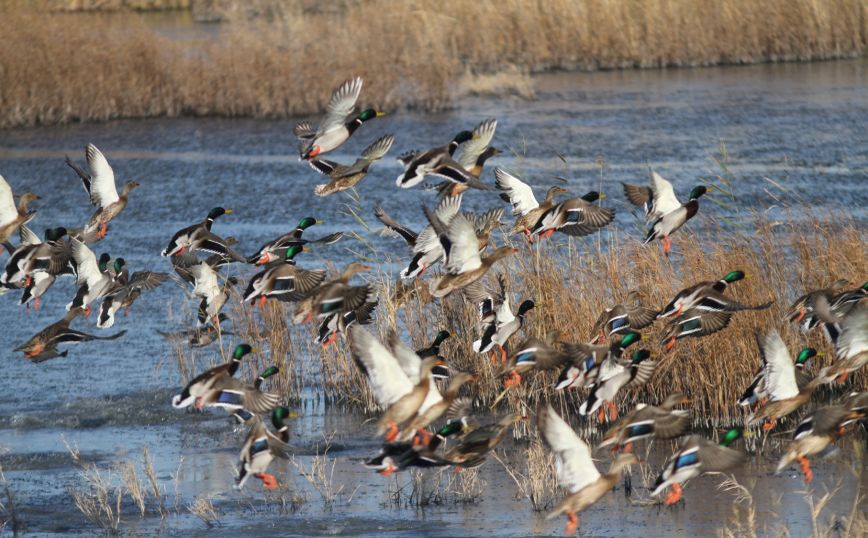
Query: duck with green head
{"type": "Point", "coordinates": [438, 162]}
{"type": "Point", "coordinates": [260, 448]}
{"type": "Point", "coordinates": [474, 153]}
{"type": "Point", "coordinates": [695, 456]}
{"type": "Point", "coordinates": [497, 322]}
{"type": "Point", "coordinates": [276, 248]}
{"type": "Point", "coordinates": [183, 237]}
{"type": "Point", "coordinates": [589, 362]}
{"type": "Point", "coordinates": [663, 212]}
{"type": "Point", "coordinates": [93, 278]}
{"type": "Point", "coordinates": [335, 128]}
{"type": "Point", "coordinates": [575, 217]}
{"type": "Point", "coordinates": [394, 457]}
{"type": "Point", "coordinates": [211, 379]}
{"type": "Point", "coordinates": [285, 281]}
{"type": "Point", "coordinates": [708, 295]}
{"type": "Point", "coordinates": [621, 374]}
{"type": "Point", "coordinates": [757, 393]}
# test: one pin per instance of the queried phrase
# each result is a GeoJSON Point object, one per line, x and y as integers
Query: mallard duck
{"type": "Point", "coordinates": [438, 162]}
{"type": "Point", "coordinates": [33, 255]}
{"type": "Point", "coordinates": [100, 186]}
{"type": "Point", "coordinates": [622, 318]}
{"type": "Point", "coordinates": [122, 293]}
{"type": "Point", "coordinates": [11, 217]}
{"type": "Point", "coordinates": [663, 422]}
{"type": "Point", "coordinates": [496, 319]}
{"type": "Point", "coordinates": [46, 262]}
{"type": "Point", "coordinates": [434, 349]}
{"type": "Point", "coordinates": [399, 379]}
{"type": "Point", "coordinates": [525, 207]}
{"type": "Point", "coordinates": [576, 217]}
{"type": "Point", "coordinates": [344, 177]}
{"type": "Point", "coordinates": [590, 363]}
{"type": "Point", "coordinates": [181, 238]}
{"type": "Point", "coordinates": [708, 295]}
{"type": "Point", "coordinates": [243, 416]}
{"type": "Point", "coordinates": [694, 322]}
{"type": "Point", "coordinates": [334, 129]}
{"type": "Point", "coordinates": [757, 392]}
{"type": "Point", "coordinates": [473, 446]}
{"type": "Point", "coordinates": [780, 382]}
{"type": "Point", "coordinates": [283, 280]}
{"type": "Point", "coordinates": [199, 237]}
{"type": "Point", "coordinates": [260, 448]}
{"type": "Point", "coordinates": [850, 339]}
{"type": "Point", "coordinates": [695, 456]}
{"type": "Point", "coordinates": [837, 300]}
{"type": "Point", "coordinates": [276, 249]}
{"type": "Point", "coordinates": [663, 212]}
{"type": "Point", "coordinates": [93, 278]}
{"type": "Point", "coordinates": [338, 322]}
{"type": "Point", "coordinates": [635, 373]}
{"type": "Point", "coordinates": [426, 247]}
{"type": "Point", "coordinates": [815, 434]}
{"type": "Point", "coordinates": [474, 153]}
{"type": "Point", "coordinates": [394, 457]}
{"type": "Point", "coordinates": [335, 296]}
{"type": "Point", "coordinates": [436, 410]}
{"type": "Point", "coordinates": [534, 354]}
{"type": "Point", "coordinates": [43, 345]}
{"type": "Point", "coordinates": [575, 468]}
{"type": "Point", "coordinates": [211, 381]}
{"type": "Point", "coordinates": [199, 336]}
{"type": "Point", "coordinates": [463, 264]}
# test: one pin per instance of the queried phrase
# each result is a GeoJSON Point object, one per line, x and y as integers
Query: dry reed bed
{"type": "Point", "coordinates": [59, 67]}
{"type": "Point", "coordinates": [573, 282]}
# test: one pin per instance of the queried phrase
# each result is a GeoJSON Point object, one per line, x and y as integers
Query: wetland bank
{"type": "Point", "coordinates": [786, 142]}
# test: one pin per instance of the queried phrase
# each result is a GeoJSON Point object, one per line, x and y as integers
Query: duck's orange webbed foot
{"type": "Point", "coordinates": [806, 469]}
{"type": "Point", "coordinates": [612, 411]}
{"type": "Point", "coordinates": [330, 340]}
{"type": "Point", "coordinates": [269, 481]}
{"type": "Point", "coordinates": [388, 470]}
{"type": "Point", "coordinates": [601, 415]}
{"type": "Point", "coordinates": [670, 344]}
{"type": "Point", "coordinates": [572, 524]}
{"type": "Point", "coordinates": [392, 434]}
{"type": "Point", "coordinates": [842, 378]}
{"type": "Point", "coordinates": [667, 245]}
{"type": "Point", "coordinates": [675, 494]}
{"type": "Point", "coordinates": [770, 424]}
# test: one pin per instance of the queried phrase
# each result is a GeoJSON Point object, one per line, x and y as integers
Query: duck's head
{"type": "Point", "coordinates": [441, 336]}
{"type": "Point", "coordinates": [268, 372]}
{"type": "Point", "coordinates": [307, 222]}
{"type": "Point", "coordinates": [241, 350]}
{"type": "Point", "coordinates": [119, 264]}
{"type": "Point", "coordinates": [218, 212]}
{"type": "Point", "coordinates": [640, 355]}
{"type": "Point", "coordinates": [805, 355]}
{"type": "Point", "coordinates": [525, 307]}
{"type": "Point", "coordinates": [698, 191]}
{"type": "Point", "coordinates": [28, 197]}
{"type": "Point", "coordinates": [454, 426]}
{"type": "Point", "coordinates": [103, 261]}
{"type": "Point", "coordinates": [130, 185]}
{"type": "Point", "coordinates": [369, 114]}
{"type": "Point", "coordinates": [293, 250]}
{"type": "Point", "coordinates": [733, 276]}
{"type": "Point", "coordinates": [593, 196]}
{"type": "Point", "coordinates": [731, 436]}
{"type": "Point", "coordinates": [53, 234]}
{"type": "Point", "coordinates": [356, 267]}
{"type": "Point", "coordinates": [280, 414]}
{"type": "Point", "coordinates": [629, 339]}
{"type": "Point", "coordinates": [864, 287]}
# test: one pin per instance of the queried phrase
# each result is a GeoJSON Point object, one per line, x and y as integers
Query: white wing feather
{"type": "Point", "coordinates": [520, 194]}
{"type": "Point", "coordinates": [854, 334]}
{"type": "Point", "coordinates": [388, 382]}
{"type": "Point", "coordinates": [665, 200]}
{"type": "Point", "coordinates": [205, 281]}
{"type": "Point", "coordinates": [103, 191]}
{"type": "Point", "coordinates": [463, 255]}
{"type": "Point", "coordinates": [446, 210]}
{"type": "Point", "coordinates": [340, 106]}
{"type": "Point", "coordinates": [780, 372]}
{"type": "Point", "coordinates": [573, 463]}
{"type": "Point", "coordinates": [86, 264]}
{"type": "Point", "coordinates": [473, 148]}
{"type": "Point", "coordinates": [8, 211]}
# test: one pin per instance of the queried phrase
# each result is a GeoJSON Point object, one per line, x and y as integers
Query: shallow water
{"type": "Point", "coordinates": [795, 146]}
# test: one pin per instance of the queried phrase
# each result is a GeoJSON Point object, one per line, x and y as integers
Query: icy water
{"type": "Point", "coordinates": [794, 143]}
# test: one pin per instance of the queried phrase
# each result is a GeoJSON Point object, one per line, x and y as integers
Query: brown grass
{"type": "Point", "coordinates": [61, 67]}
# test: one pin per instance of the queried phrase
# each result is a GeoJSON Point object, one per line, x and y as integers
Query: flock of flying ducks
{"type": "Point", "coordinates": [415, 388]}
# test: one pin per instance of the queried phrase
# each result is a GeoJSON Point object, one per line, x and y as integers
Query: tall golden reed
{"type": "Point", "coordinates": [60, 67]}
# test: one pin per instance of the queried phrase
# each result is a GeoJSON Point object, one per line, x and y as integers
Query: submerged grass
{"type": "Point", "coordinates": [61, 67]}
